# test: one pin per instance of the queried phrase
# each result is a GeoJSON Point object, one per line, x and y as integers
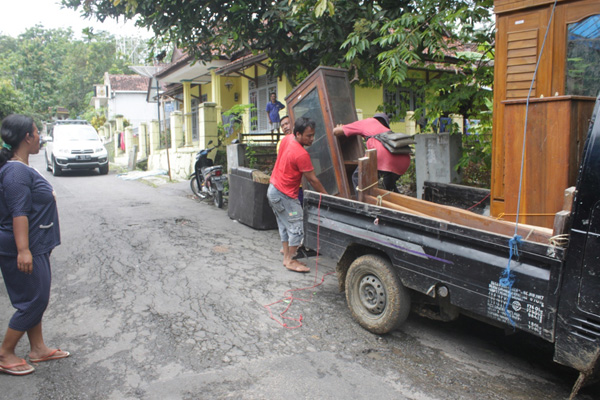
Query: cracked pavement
{"type": "Point", "coordinates": [158, 295]}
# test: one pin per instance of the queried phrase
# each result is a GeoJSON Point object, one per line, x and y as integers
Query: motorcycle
{"type": "Point", "coordinates": [208, 179]}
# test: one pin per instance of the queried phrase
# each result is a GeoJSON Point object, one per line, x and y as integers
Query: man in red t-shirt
{"type": "Point", "coordinates": [293, 163]}
{"type": "Point", "coordinates": [390, 166]}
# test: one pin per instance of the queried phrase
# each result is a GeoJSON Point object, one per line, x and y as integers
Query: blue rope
{"type": "Point", "coordinates": [507, 279]}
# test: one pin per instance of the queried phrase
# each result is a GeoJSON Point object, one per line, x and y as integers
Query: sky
{"type": "Point", "coordinates": [18, 15]}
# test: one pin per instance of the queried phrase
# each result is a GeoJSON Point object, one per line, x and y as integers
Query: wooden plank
{"type": "Point", "coordinates": [519, 85]}
{"type": "Point", "coordinates": [367, 174]}
{"type": "Point", "coordinates": [519, 69]}
{"type": "Point", "coordinates": [504, 6]}
{"type": "Point", "coordinates": [568, 199]}
{"type": "Point", "coordinates": [519, 77]}
{"type": "Point", "coordinates": [561, 222]}
{"type": "Point", "coordinates": [391, 205]}
{"type": "Point", "coordinates": [522, 44]}
{"type": "Point", "coordinates": [522, 60]}
{"type": "Point", "coordinates": [529, 51]}
{"type": "Point", "coordinates": [466, 218]}
{"type": "Point", "coordinates": [517, 94]}
{"type": "Point", "coordinates": [523, 35]}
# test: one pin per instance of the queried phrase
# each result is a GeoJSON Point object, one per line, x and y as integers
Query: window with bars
{"type": "Point", "coordinates": [397, 101]}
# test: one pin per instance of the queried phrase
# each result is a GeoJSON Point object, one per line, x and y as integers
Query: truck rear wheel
{"type": "Point", "coordinates": [379, 302]}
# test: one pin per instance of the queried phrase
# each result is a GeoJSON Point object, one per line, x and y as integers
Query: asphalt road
{"type": "Point", "coordinates": [158, 295]}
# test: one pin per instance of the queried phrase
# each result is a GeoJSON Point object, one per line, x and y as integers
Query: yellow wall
{"type": "Point", "coordinates": [207, 90]}
{"type": "Point", "coordinates": [368, 99]}
{"type": "Point", "coordinates": [228, 95]}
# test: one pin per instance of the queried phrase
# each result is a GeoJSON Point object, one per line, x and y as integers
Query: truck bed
{"type": "Point", "coordinates": [428, 251]}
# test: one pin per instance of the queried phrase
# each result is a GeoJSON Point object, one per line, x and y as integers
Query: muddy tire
{"type": "Point", "coordinates": [376, 297]}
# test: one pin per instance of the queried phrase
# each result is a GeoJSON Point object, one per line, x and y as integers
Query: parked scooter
{"type": "Point", "coordinates": [208, 179]}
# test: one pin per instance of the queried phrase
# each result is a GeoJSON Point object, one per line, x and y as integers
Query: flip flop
{"type": "Point", "coordinates": [51, 356]}
{"type": "Point", "coordinates": [298, 267]}
{"type": "Point", "coordinates": [9, 369]}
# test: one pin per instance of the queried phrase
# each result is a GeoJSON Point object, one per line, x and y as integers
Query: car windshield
{"type": "Point", "coordinates": [64, 133]}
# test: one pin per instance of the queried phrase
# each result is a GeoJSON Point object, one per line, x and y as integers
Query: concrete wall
{"type": "Point", "coordinates": [436, 155]}
{"type": "Point", "coordinates": [132, 106]}
{"type": "Point", "coordinates": [182, 162]}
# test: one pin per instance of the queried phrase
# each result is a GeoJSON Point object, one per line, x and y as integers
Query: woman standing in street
{"type": "Point", "coordinates": [28, 232]}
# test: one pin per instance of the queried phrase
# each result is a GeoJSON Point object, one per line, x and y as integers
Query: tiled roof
{"type": "Point", "coordinates": [128, 82]}
{"type": "Point", "coordinates": [242, 63]}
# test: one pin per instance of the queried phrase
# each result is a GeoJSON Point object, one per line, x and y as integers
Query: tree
{"type": "Point", "coordinates": [11, 101]}
{"type": "Point", "coordinates": [48, 68]}
{"type": "Point", "coordinates": [379, 37]}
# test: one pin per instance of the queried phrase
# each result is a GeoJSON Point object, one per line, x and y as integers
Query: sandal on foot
{"type": "Point", "coordinates": [51, 356]}
{"type": "Point", "coordinates": [10, 369]}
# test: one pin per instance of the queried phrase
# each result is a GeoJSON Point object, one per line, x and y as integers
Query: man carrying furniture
{"type": "Point", "coordinates": [293, 163]}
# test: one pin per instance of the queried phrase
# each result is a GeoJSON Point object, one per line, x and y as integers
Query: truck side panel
{"type": "Point", "coordinates": [429, 252]}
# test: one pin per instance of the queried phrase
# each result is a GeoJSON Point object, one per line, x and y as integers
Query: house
{"type": "Point", "coordinates": [124, 95]}
{"type": "Point", "coordinates": [196, 94]}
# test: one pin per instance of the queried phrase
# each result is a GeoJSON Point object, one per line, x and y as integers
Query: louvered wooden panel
{"type": "Point", "coordinates": [521, 59]}
{"type": "Point", "coordinates": [526, 52]}
{"type": "Point", "coordinates": [518, 85]}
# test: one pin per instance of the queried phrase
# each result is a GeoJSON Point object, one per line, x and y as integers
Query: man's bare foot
{"type": "Point", "coordinates": [297, 266]}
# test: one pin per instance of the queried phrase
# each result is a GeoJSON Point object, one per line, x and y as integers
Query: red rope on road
{"type": "Point", "coordinates": [289, 297]}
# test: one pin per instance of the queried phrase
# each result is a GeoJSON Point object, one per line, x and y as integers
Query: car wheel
{"type": "Point", "coordinates": [103, 169]}
{"type": "Point", "coordinates": [379, 302]}
{"type": "Point", "coordinates": [56, 171]}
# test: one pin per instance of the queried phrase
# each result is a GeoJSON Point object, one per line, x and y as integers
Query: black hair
{"type": "Point", "coordinates": [302, 123]}
{"type": "Point", "coordinates": [14, 129]}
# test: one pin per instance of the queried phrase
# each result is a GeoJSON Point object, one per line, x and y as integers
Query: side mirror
{"type": "Point", "coordinates": [209, 142]}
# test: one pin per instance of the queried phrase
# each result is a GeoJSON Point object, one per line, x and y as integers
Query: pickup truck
{"type": "Point", "coordinates": [445, 262]}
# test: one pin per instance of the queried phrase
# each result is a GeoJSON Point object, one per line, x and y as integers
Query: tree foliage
{"type": "Point", "coordinates": [43, 69]}
{"type": "Point", "coordinates": [378, 39]}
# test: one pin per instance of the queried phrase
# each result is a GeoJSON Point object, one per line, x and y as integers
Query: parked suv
{"type": "Point", "coordinates": [75, 146]}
